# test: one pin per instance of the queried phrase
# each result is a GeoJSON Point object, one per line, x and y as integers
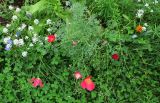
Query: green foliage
{"type": "Point", "coordinates": [82, 44]}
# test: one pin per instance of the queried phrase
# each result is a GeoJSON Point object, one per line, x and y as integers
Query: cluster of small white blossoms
{"type": "Point", "coordinates": [140, 12]}
{"type": "Point", "coordinates": [17, 10]}
{"type": "Point", "coordinates": [18, 42]}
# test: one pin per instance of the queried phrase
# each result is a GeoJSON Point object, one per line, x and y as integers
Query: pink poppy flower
{"type": "Point", "coordinates": [77, 75]}
{"type": "Point", "coordinates": [88, 84]}
{"type": "Point", "coordinates": [51, 38]}
{"type": "Point", "coordinates": [36, 82]}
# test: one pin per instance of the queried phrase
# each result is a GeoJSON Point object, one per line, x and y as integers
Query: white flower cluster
{"type": "Point", "coordinates": [140, 13]}
{"type": "Point", "coordinates": [18, 42]}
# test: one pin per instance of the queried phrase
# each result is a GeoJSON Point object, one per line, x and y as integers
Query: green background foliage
{"type": "Point", "coordinates": [100, 28]}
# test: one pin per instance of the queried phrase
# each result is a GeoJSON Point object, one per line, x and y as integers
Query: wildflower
{"type": "Point", "coordinates": [21, 42]}
{"type": "Point", "coordinates": [15, 41]}
{"type": "Point", "coordinates": [19, 29]}
{"type": "Point", "coordinates": [134, 36]}
{"type": "Point", "coordinates": [139, 28]}
{"type": "Point", "coordinates": [11, 7]}
{"type": "Point", "coordinates": [18, 33]}
{"type": "Point", "coordinates": [9, 41]}
{"type": "Point", "coordinates": [24, 53]}
{"type": "Point", "coordinates": [34, 39]}
{"type": "Point", "coordinates": [77, 75]}
{"type": "Point", "coordinates": [156, 1]}
{"type": "Point", "coordinates": [5, 30]}
{"type": "Point", "coordinates": [26, 37]}
{"type": "Point", "coordinates": [68, 3]}
{"type": "Point", "coordinates": [30, 28]}
{"type": "Point", "coordinates": [88, 84]}
{"type": "Point", "coordinates": [8, 47]}
{"type": "Point", "coordinates": [49, 29]}
{"type": "Point", "coordinates": [18, 10]}
{"type": "Point", "coordinates": [49, 21]}
{"type": "Point", "coordinates": [143, 28]}
{"type": "Point", "coordinates": [145, 24]}
{"type": "Point", "coordinates": [51, 38]}
{"type": "Point", "coordinates": [139, 0]}
{"type": "Point", "coordinates": [14, 17]}
{"type": "Point", "coordinates": [140, 13]}
{"type": "Point", "coordinates": [8, 25]}
{"type": "Point", "coordinates": [36, 82]}
{"type": "Point", "coordinates": [6, 39]}
{"type": "Point", "coordinates": [31, 45]}
{"type": "Point", "coordinates": [23, 26]}
{"type": "Point", "coordinates": [115, 56]}
{"type": "Point", "coordinates": [36, 21]}
{"type": "Point", "coordinates": [146, 5]}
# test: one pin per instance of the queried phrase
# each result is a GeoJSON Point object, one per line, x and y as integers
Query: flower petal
{"type": "Point", "coordinates": [83, 84]}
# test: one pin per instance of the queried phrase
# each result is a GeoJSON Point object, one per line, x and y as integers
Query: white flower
{"type": "Point", "coordinates": [19, 29]}
{"type": "Point", "coordinates": [11, 7]}
{"type": "Point", "coordinates": [15, 41]}
{"type": "Point", "coordinates": [49, 21]}
{"type": "Point", "coordinates": [49, 29]}
{"type": "Point", "coordinates": [151, 11]}
{"type": "Point", "coordinates": [31, 45]}
{"type": "Point", "coordinates": [5, 30]}
{"type": "Point", "coordinates": [139, 0]}
{"type": "Point", "coordinates": [26, 37]}
{"type": "Point", "coordinates": [8, 45]}
{"type": "Point", "coordinates": [156, 1]}
{"type": "Point", "coordinates": [34, 39]}
{"type": "Point", "coordinates": [46, 38]}
{"type": "Point", "coordinates": [23, 26]}
{"type": "Point", "coordinates": [8, 25]}
{"type": "Point", "coordinates": [41, 43]}
{"type": "Point", "coordinates": [144, 28]}
{"type": "Point", "coordinates": [145, 24]}
{"type": "Point", "coordinates": [140, 13]}
{"type": "Point", "coordinates": [14, 17]}
{"type": "Point", "coordinates": [146, 5]}
{"type": "Point", "coordinates": [34, 34]}
{"type": "Point", "coordinates": [36, 21]}
{"type": "Point", "coordinates": [18, 10]}
{"type": "Point", "coordinates": [21, 42]}
{"type": "Point", "coordinates": [24, 53]}
{"type": "Point", "coordinates": [134, 36]}
{"type": "Point", "coordinates": [5, 40]}
{"type": "Point", "coordinates": [30, 28]}
{"type": "Point", "coordinates": [68, 3]}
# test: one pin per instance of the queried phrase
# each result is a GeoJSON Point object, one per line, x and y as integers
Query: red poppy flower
{"type": "Point", "coordinates": [51, 38]}
{"type": "Point", "coordinates": [88, 84]}
{"type": "Point", "coordinates": [115, 56]}
{"type": "Point", "coordinates": [77, 75]}
{"type": "Point", "coordinates": [36, 82]}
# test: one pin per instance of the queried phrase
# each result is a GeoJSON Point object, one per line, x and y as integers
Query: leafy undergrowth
{"type": "Point", "coordinates": [81, 52]}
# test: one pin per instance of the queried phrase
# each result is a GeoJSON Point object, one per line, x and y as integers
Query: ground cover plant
{"type": "Point", "coordinates": [77, 51]}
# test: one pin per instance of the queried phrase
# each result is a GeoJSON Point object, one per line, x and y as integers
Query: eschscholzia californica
{"type": "Point", "coordinates": [115, 56]}
{"type": "Point", "coordinates": [77, 75]}
{"type": "Point", "coordinates": [88, 84]}
{"type": "Point", "coordinates": [139, 28]}
{"type": "Point", "coordinates": [51, 38]}
{"type": "Point", "coordinates": [36, 82]}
